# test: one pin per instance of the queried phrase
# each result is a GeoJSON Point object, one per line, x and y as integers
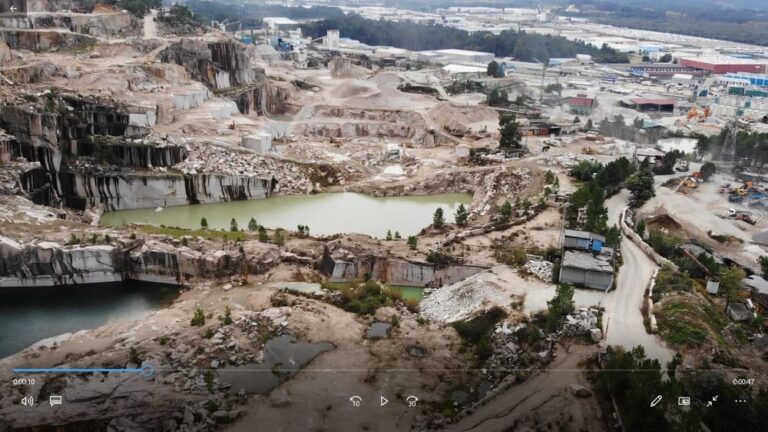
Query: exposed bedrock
{"type": "Point", "coordinates": [99, 25]}
{"type": "Point", "coordinates": [44, 40]}
{"type": "Point", "coordinates": [341, 266]}
{"type": "Point", "coordinates": [262, 99]}
{"type": "Point", "coordinates": [48, 263]}
{"type": "Point", "coordinates": [117, 192]}
{"type": "Point", "coordinates": [220, 65]}
{"type": "Point", "coordinates": [343, 122]}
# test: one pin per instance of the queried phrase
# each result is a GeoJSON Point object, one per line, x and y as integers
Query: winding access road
{"type": "Point", "coordinates": [623, 319]}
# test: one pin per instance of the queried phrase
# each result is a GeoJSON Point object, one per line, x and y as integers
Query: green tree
{"type": "Point", "coordinates": [708, 170]}
{"type": "Point", "coordinates": [233, 225]}
{"type": "Point", "coordinates": [227, 316]}
{"type": "Point", "coordinates": [549, 177]}
{"type": "Point", "coordinates": [279, 238]}
{"type": "Point", "coordinates": [412, 242]}
{"type": "Point", "coordinates": [133, 355]}
{"type": "Point", "coordinates": [508, 130]}
{"type": "Point", "coordinates": [204, 223]}
{"type": "Point", "coordinates": [764, 265]}
{"type": "Point", "coordinates": [263, 235]}
{"type": "Point", "coordinates": [588, 126]}
{"type": "Point", "coordinates": [560, 305]}
{"type": "Point", "coordinates": [613, 236]}
{"type": "Point", "coordinates": [461, 215]}
{"type": "Point", "coordinates": [641, 186]}
{"type": "Point", "coordinates": [497, 98]}
{"type": "Point", "coordinates": [492, 69]}
{"type": "Point", "coordinates": [505, 213]}
{"type": "Point", "coordinates": [640, 228]}
{"type": "Point", "coordinates": [730, 282]}
{"type": "Point", "coordinates": [253, 225]}
{"type": "Point", "coordinates": [438, 219]}
{"type": "Point", "coordinates": [554, 88]}
{"type": "Point", "coordinates": [389, 235]}
{"type": "Point", "coordinates": [397, 235]}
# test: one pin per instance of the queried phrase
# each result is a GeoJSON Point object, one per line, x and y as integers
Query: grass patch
{"type": "Point", "coordinates": [690, 319]}
{"type": "Point", "coordinates": [364, 298]}
{"type": "Point", "coordinates": [181, 232]}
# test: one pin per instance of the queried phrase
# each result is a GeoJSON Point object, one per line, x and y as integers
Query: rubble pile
{"type": "Point", "coordinates": [467, 298]}
{"type": "Point", "coordinates": [514, 349]}
{"type": "Point", "coordinates": [581, 323]}
{"type": "Point", "coordinates": [540, 268]}
{"type": "Point", "coordinates": [210, 159]}
{"type": "Point", "coordinates": [565, 160]}
{"type": "Point", "coordinates": [502, 181]}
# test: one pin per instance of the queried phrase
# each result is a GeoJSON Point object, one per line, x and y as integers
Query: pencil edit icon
{"type": "Point", "coordinates": [655, 401]}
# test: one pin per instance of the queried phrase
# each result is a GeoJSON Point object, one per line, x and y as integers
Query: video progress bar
{"type": "Point", "coordinates": [146, 370]}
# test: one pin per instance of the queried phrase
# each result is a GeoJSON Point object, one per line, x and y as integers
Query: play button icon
{"type": "Point", "coordinates": [384, 401]}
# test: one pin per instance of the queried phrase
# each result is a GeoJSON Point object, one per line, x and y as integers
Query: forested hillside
{"type": "Point", "coordinates": [419, 37]}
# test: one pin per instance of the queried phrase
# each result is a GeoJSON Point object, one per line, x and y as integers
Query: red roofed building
{"type": "Point", "coordinates": [582, 105]}
{"type": "Point", "coordinates": [723, 64]}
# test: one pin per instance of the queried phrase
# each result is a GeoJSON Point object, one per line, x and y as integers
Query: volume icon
{"type": "Point", "coordinates": [28, 401]}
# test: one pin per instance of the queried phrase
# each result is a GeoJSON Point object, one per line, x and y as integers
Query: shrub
{"type": "Point", "coordinates": [412, 242]}
{"type": "Point", "coordinates": [133, 355]}
{"type": "Point", "coordinates": [198, 318]}
{"type": "Point", "coordinates": [227, 316]}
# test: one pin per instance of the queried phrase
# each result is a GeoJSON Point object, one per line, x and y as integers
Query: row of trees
{"type": "Point", "coordinates": [751, 148]}
{"type": "Point", "coordinates": [418, 37]}
{"type": "Point", "coordinates": [600, 181]}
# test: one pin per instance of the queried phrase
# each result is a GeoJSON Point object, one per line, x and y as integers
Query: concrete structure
{"type": "Point", "coordinates": [332, 40]}
{"type": "Point", "coordinates": [723, 64]}
{"type": "Point", "coordinates": [280, 24]}
{"type": "Point", "coordinates": [584, 268]}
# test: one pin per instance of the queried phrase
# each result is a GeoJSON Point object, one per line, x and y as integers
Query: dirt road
{"type": "Point", "coordinates": [150, 26]}
{"type": "Point", "coordinates": [541, 400]}
{"type": "Point", "coordinates": [623, 320]}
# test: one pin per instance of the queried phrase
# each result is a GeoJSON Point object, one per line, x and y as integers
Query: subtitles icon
{"type": "Point", "coordinates": [684, 401]}
{"type": "Point", "coordinates": [55, 400]}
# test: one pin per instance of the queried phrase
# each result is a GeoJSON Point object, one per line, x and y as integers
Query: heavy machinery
{"type": "Point", "coordinates": [694, 113]}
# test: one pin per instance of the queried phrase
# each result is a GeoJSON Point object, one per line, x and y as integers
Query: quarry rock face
{"type": "Point", "coordinates": [341, 265]}
{"type": "Point", "coordinates": [44, 40]}
{"type": "Point", "coordinates": [118, 192]}
{"type": "Point", "coordinates": [49, 263]}
{"type": "Point", "coordinates": [98, 25]}
{"type": "Point", "coordinates": [220, 64]}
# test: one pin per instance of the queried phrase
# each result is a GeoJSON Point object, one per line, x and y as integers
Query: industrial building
{"type": "Point", "coordinates": [456, 56]}
{"type": "Point", "coordinates": [664, 105]}
{"type": "Point", "coordinates": [586, 269]}
{"type": "Point", "coordinates": [724, 64]}
{"type": "Point", "coordinates": [582, 105]}
{"type": "Point", "coordinates": [735, 106]}
{"type": "Point", "coordinates": [663, 70]}
{"type": "Point", "coordinates": [758, 80]}
{"type": "Point", "coordinates": [279, 25]}
{"type": "Point", "coordinates": [586, 261]}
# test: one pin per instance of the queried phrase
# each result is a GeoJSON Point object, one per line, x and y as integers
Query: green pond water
{"type": "Point", "coordinates": [325, 214]}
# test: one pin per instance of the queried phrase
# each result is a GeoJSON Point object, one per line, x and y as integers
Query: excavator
{"type": "Point", "coordinates": [694, 113]}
